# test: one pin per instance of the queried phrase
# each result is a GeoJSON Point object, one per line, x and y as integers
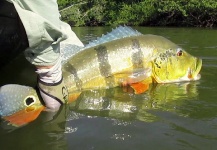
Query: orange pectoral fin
{"type": "Point", "coordinates": [139, 87]}
{"type": "Point", "coordinates": [24, 117]}
{"type": "Point", "coordinates": [130, 76]}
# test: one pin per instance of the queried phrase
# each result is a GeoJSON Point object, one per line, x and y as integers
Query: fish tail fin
{"type": "Point", "coordinates": [24, 117]}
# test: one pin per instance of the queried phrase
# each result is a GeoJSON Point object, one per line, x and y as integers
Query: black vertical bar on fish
{"type": "Point", "coordinates": [104, 66]}
{"type": "Point", "coordinates": [72, 70]}
{"type": "Point", "coordinates": [137, 55]}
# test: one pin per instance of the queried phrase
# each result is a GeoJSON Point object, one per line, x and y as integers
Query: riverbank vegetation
{"type": "Point", "coordinates": [192, 13]}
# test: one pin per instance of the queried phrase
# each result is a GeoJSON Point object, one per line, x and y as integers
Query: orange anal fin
{"type": "Point", "coordinates": [24, 117]}
{"type": "Point", "coordinates": [139, 87]}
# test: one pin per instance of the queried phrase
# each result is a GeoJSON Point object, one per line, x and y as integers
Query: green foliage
{"type": "Point", "coordinates": [73, 16]}
{"type": "Point", "coordinates": [132, 14]}
{"type": "Point", "coordinates": [188, 13]}
{"type": "Point", "coordinates": [203, 13]}
{"type": "Point", "coordinates": [81, 13]}
{"type": "Point", "coordinates": [139, 12]}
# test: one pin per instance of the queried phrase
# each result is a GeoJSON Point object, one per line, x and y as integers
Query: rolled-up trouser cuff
{"type": "Point", "coordinates": [48, 57]}
{"type": "Point", "coordinates": [42, 29]}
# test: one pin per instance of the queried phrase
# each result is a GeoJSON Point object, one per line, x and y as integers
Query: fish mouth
{"type": "Point", "coordinates": [193, 74]}
{"type": "Point", "coordinates": [190, 76]}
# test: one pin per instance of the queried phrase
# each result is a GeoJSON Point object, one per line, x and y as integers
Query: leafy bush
{"type": "Point", "coordinates": [140, 12]}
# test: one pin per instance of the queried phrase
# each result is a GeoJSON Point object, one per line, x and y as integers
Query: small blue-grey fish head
{"type": "Point", "coordinates": [14, 98]}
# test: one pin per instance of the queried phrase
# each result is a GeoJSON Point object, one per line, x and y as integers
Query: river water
{"type": "Point", "coordinates": [168, 116]}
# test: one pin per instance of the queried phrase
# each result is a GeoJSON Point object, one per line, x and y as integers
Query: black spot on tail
{"type": "Point", "coordinates": [29, 101]}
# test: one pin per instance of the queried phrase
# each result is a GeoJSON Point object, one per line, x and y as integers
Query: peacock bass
{"type": "Point", "coordinates": [123, 57]}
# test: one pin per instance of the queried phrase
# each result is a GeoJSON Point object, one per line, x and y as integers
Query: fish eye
{"type": "Point", "coordinates": [179, 52]}
{"type": "Point", "coordinates": [29, 100]}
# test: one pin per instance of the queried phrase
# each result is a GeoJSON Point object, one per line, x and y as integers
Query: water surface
{"type": "Point", "coordinates": [169, 116]}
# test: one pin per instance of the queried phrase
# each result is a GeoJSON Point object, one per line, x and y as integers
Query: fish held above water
{"type": "Point", "coordinates": [123, 57]}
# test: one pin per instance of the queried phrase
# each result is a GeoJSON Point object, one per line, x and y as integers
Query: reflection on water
{"type": "Point", "coordinates": [116, 103]}
{"type": "Point", "coordinates": [119, 104]}
{"type": "Point", "coordinates": [47, 132]}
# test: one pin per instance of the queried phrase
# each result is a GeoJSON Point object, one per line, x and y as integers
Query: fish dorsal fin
{"type": "Point", "coordinates": [68, 50]}
{"type": "Point", "coordinates": [117, 33]}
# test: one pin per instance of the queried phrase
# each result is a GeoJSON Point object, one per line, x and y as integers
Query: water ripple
{"type": "Point", "coordinates": [70, 130]}
{"type": "Point", "coordinates": [121, 137]}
